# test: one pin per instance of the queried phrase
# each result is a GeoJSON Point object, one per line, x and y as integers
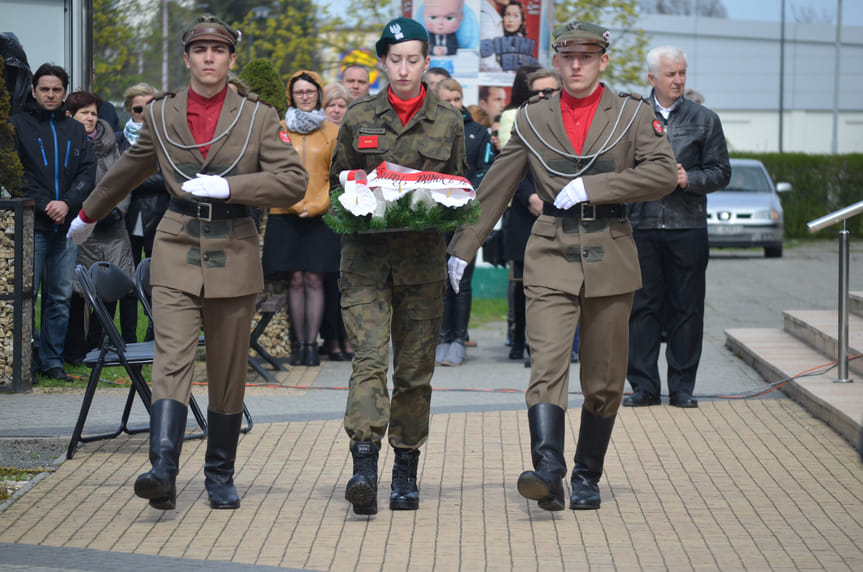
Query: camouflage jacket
{"type": "Point", "coordinates": [433, 140]}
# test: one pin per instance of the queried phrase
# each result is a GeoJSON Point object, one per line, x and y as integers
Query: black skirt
{"type": "Point", "coordinates": [292, 244]}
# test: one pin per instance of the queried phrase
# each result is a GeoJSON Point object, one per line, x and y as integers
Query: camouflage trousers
{"type": "Point", "coordinates": [372, 308]}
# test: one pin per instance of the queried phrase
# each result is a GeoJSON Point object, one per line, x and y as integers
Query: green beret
{"type": "Point", "coordinates": [208, 27]}
{"type": "Point", "coordinates": [580, 32]}
{"type": "Point", "coordinates": [401, 30]}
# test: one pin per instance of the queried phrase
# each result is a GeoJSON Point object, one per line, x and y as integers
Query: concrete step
{"type": "Point", "coordinates": [778, 355]}
{"type": "Point", "coordinates": [855, 302]}
{"type": "Point", "coordinates": [819, 329]}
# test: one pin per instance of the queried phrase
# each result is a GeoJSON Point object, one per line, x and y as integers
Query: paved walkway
{"type": "Point", "coordinates": [736, 484]}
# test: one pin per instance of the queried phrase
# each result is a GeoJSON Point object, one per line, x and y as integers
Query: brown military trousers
{"type": "Point", "coordinates": [552, 316]}
{"type": "Point", "coordinates": [178, 318]}
{"type": "Point", "coordinates": [372, 308]}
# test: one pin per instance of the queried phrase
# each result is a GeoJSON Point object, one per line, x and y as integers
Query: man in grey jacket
{"type": "Point", "coordinates": [671, 236]}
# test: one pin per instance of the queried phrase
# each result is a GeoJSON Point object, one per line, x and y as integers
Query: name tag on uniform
{"type": "Point", "coordinates": [367, 142]}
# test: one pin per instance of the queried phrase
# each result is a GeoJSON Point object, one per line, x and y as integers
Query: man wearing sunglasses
{"type": "Point", "coordinates": [590, 149]}
{"type": "Point", "coordinates": [221, 153]}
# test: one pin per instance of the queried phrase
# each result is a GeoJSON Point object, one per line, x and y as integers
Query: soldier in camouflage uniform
{"type": "Point", "coordinates": [392, 282]}
{"type": "Point", "coordinates": [589, 150]}
{"type": "Point", "coordinates": [206, 267]}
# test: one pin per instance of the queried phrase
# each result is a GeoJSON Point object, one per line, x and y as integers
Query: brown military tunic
{"type": "Point", "coordinates": [206, 272]}
{"type": "Point", "coordinates": [578, 269]}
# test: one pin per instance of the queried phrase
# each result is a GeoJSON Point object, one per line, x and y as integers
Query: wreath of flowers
{"type": "Point", "coordinates": [394, 198]}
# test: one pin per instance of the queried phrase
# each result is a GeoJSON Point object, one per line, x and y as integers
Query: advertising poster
{"type": "Point", "coordinates": [482, 43]}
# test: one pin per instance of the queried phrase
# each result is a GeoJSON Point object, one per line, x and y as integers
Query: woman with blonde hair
{"type": "Point", "coordinates": [337, 98]}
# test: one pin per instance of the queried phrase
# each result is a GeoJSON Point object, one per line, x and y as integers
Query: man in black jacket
{"type": "Point", "coordinates": [671, 236]}
{"type": "Point", "coordinates": [59, 172]}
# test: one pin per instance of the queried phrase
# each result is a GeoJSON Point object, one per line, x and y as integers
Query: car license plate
{"type": "Point", "coordinates": [725, 228]}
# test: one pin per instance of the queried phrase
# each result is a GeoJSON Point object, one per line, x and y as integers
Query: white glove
{"type": "Point", "coordinates": [572, 194]}
{"type": "Point", "coordinates": [455, 268]}
{"type": "Point", "coordinates": [80, 231]}
{"type": "Point", "coordinates": [208, 186]}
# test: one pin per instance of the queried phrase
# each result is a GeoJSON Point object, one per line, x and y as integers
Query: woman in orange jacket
{"type": "Point", "coordinates": [298, 245]}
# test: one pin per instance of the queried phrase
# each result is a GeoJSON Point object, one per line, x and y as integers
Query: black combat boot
{"type": "Point", "coordinates": [404, 493]}
{"type": "Point", "coordinates": [167, 426]}
{"type": "Point", "coordinates": [223, 432]}
{"type": "Point", "coordinates": [362, 489]}
{"type": "Point", "coordinates": [593, 437]}
{"type": "Point", "coordinates": [545, 483]}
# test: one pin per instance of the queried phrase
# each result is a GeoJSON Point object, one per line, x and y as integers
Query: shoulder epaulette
{"type": "Point", "coordinates": [165, 94]}
{"type": "Point", "coordinates": [635, 96]}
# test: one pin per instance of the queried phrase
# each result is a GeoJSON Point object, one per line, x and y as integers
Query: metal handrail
{"type": "Point", "coordinates": [834, 217]}
{"type": "Point", "coordinates": [844, 257]}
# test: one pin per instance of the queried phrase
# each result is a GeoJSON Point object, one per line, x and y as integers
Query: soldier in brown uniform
{"type": "Point", "coordinates": [393, 282]}
{"type": "Point", "coordinates": [589, 150]}
{"type": "Point", "coordinates": [221, 153]}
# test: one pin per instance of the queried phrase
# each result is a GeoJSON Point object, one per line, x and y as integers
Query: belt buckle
{"type": "Point", "coordinates": [209, 212]}
{"type": "Point", "coordinates": [584, 216]}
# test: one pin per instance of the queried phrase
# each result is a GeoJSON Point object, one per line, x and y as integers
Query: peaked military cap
{"type": "Point", "coordinates": [400, 30]}
{"type": "Point", "coordinates": [209, 27]}
{"type": "Point", "coordinates": [580, 32]}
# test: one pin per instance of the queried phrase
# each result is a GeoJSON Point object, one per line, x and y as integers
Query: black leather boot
{"type": "Point", "coordinates": [167, 426]}
{"type": "Point", "coordinates": [362, 489]}
{"type": "Point", "coordinates": [545, 483]}
{"type": "Point", "coordinates": [593, 438]}
{"type": "Point", "coordinates": [310, 354]}
{"type": "Point", "coordinates": [404, 493]}
{"type": "Point", "coordinates": [223, 432]}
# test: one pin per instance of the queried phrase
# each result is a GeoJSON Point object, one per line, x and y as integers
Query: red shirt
{"type": "Point", "coordinates": [202, 116]}
{"type": "Point", "coordinates": [406, 108]}
{"type": "Point", "coordinates": [578, 114]}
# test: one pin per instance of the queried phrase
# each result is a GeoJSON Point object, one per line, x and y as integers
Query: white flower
{"type": "Point", "coordinates": [358, 199]}
{"type": "Point", "coordinates": [453, 196]}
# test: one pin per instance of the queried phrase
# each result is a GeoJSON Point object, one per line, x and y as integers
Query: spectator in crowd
{"type": "Point", "coordinates": [580, 261]}
{"type": "Point", "coordinates": [150, 199]}
{"type": "Point", "coordinates": [221, 153]}
{"type": "Point", "coordinates": [456, 306]}
{"type": "Point", "coordinates": [337, 98]}
{"type": "Point", "coordinates": [333, 332]}
{"type": "Point", "coordinates": [109, 241]}
{"type": "Point", "coordinates": [59, 172]}
{"type": "Point", "coordinates": [356, 78]}
{"type": "Point", "coordinates": [519, 94]}
{"type": "Point", "coordinates": [525, 207]}
{"type": "Point", "coordinates": [298, 245]}
{"type": "Point", "coordinates": [434, 76]}
{"type": "Point", "coordinates": [392, 282]}
{"type": "Point", "coordinates": [492, 99]}
{"type": "Point", "coordinates": [671, 236]}
{"type": "Point", "coordinates": [494, 130]}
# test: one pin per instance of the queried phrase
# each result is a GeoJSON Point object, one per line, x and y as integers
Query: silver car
{"type": "Point", "coordinates": [747, 212]}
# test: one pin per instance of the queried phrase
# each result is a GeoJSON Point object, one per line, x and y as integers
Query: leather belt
{"type": "Point", "coordinates": [209, 211]}
{"type": "Point", "coordinates": [586, 211]}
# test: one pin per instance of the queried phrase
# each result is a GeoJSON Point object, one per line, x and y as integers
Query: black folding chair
{"type": "Point", "coordinates": [106, 282]}
{"type": "Point", "coordinates": [144, 291]}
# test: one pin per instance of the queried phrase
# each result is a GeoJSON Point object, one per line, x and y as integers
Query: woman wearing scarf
{"type": "Point", "coordinates": [109, 241]}
{"type": "Point", "coordinates": [298, 245]}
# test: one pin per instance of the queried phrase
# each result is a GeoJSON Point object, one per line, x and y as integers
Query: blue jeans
{"type": "Point", "coordinates": [54, 259]}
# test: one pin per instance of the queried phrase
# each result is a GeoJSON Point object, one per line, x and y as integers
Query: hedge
{"type": "Point", "coordinates": [820, 184]}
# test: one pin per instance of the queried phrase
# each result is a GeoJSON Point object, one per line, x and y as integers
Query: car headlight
{"type": "Point", "coordinates": [766, 214]}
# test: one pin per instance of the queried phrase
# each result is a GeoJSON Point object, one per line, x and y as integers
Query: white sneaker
{"type": "Point", "coordinates": [441, 351]}
{"type": "Point", "coordinates": [455, 355]}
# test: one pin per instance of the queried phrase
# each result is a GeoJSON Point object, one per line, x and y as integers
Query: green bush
{"type": "Point", "coordinates": [820, 184]}
{"type": "Point", "coordinates": [11, 171]}
{"type": "Point", "coordinates": [262, 77]}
